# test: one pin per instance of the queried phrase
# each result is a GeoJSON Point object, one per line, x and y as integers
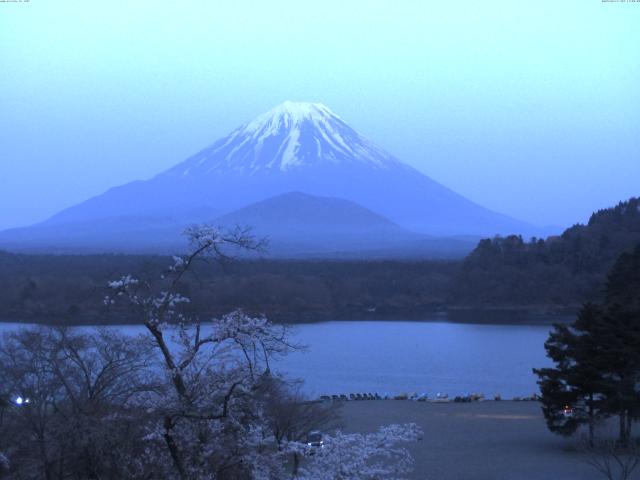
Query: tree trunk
{"type": "Point", "coordinates": [591, 421]}
{"type": "Point", "coordinates": [47, 465]}
{"type": "Point", "coordinates": [623, 438]}
{"type": "Point", "coordinates": [296, 464]}
{"type": "Point", "coordinates": [173, 448]}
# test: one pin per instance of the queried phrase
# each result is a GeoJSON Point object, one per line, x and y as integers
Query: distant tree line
{"type": "Point", "coordinates": [556, 274]}
{"type": "Point", "coordinates": [69, 289]}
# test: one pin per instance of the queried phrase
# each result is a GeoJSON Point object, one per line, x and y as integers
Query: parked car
{"type": "Point", "coordinates": [314, 439]}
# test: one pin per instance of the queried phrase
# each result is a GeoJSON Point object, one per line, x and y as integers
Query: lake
{"type": "Point", "coordinates": [393, 357]}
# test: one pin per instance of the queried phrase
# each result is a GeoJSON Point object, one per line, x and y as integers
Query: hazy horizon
{"type": "Point", "coordinates": [529, 110]}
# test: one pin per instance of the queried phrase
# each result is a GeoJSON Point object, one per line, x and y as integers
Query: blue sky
{"type": "Point", "coordinates": [528, 108]}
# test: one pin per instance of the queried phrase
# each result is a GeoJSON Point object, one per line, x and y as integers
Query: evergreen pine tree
{"type": "Point", "coordinates": [619, 339]}
{"type": "Point", "coordinates": [575, 384]}
{"type": "Point", "coordinates": [597, 359]}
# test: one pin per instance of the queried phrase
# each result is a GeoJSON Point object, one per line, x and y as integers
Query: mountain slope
{"type": "Point", "coordinates": [297, 223]}
{"type": "Point", "coordinates": [299, 214]}
{"type": "Point", "coordinates": [301, 147]}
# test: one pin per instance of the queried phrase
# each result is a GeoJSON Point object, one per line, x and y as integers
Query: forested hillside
{"type": "Point", "coordinates": [563, 270]}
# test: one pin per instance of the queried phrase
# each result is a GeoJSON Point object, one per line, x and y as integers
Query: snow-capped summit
{"type": "Point", "coordinates": [291, 114]}
{"type": "Point", "coordinates": [289, 136]}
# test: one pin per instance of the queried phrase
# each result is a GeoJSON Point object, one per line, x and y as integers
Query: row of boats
{"type": "Point", "coordinates": [420, 397]}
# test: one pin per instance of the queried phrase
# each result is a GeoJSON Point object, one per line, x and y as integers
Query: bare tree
{"type": "Point", "coordinates": [70, 398]}
{"type": "Point", "coordinates": [611, 459]}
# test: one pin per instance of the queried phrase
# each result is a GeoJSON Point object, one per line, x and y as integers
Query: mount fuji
{"type": "Point", "coordinates": [295, 147]}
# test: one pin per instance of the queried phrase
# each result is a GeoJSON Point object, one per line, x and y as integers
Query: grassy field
{"type": "Point", "coordinates": [477, 441]}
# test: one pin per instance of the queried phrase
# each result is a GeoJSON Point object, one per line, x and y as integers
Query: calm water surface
{"type": "Point", "coordinates": [392, 357]}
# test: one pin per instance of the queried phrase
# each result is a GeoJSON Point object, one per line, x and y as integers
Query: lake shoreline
{"type": "Point", "coordinates": [506, 315]}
